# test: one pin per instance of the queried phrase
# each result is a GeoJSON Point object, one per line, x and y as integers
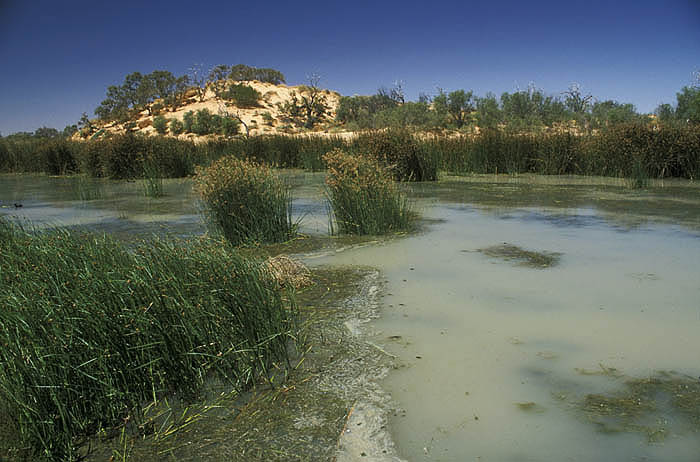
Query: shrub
{"type": "Point", "coordinates": [230, 126]}
{"type": "Point", "coordinates": [58, 157]}
{"type": "Point", "coordinates": [92, 330]}
{"type": "Point", "coordinates": [398, 151]}
{"type": "Point", "coordinates": [363, 197]}
{"type": "Point", "coordinates": [176, 127]}
{"type": "Point", "coordinates": [5, 158]}
{"type": "Point", "coordinates": [188, 121]}
{"type": "Point", "coordinates": [122, 156]}
{"type": "Point", "coordinates": [160, 123]}
{"type": "Point", "coordinates": [246, 202]}
{"type": "Point", "coordinates": [243, 95]}
{"type": "Point", "coordinates": [203, 122]}
{"type": "Point", "coordinates": [268, 119]}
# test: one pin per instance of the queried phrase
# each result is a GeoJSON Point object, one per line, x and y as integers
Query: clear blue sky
{"type": "Point", "coordinates": [58, 57]}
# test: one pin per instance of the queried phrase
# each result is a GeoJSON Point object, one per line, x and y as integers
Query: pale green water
{"type": "Point", "coordinates": [123, 209]}
{"type": "Point", "coordinates": [479, 335]}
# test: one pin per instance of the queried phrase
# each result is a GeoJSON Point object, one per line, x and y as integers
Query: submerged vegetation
{"type": "Point", "coordinates": [93, 331]}
{"type": "Point", "coordinates": [522, 257]}
{"type": "Point", "coordinates": [246, 202]}
{"type": "Point", "coordinates": [645, 406]}
{"type": "Point", "coordinates": [363, 197]}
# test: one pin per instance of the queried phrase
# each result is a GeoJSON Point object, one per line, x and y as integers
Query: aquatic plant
{"type": "Point", "coordinates": [644, 404]}
{"type": "Point", "coordinates": [152, 180]}
{"type": "Point", "coordinates": [522, 257]}
{"type": "Point", "coordinates": [246, 202]}
{"type": "Point", "coordinates": [92, 331]}
{"type": "Point", "coordinates": [363, 196]}
{"type": "Point", "coordinates": [86, 189]}
{"type": "Point", "coordinates": [616, 151]}
{"type": "Point", "coordinates": [400, 153]}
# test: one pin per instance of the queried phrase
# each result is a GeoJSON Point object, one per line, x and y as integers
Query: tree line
{"type": "Point", "coordinates": [521, 109]}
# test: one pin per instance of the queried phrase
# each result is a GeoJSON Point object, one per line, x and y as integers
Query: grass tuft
{"type": "Point", "coordinates": [92, 331]}
{"type": "Point", "coordinates": [363, 196]}
{"type": "Point", "coordinates": [246, 202]}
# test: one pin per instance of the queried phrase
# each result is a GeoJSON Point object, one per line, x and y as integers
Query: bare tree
{"type": "Point", "coordinates": [225, 112]}
{"type": "Point", "coordinates": [575, 100]}
{"type": "Point", "coordinates": [397, 93]}
{"type": "Point", "coordinates": [198, 78]}
{"type": "Point", "coordinates": [217, 78]}
{"type": "Point", "coordinates": [313, 101]}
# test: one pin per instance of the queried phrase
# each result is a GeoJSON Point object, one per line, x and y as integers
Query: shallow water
{"type": "Point", "coordinates": [122, 208]}
{"type": "Point", "coordinates": [479, 335]}
{"type": "Point", "coordinates": [481, 338]}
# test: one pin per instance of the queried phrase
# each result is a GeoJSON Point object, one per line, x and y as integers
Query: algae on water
{"type": "Point", "coordinates": [659, 406]}
{"type": "Point", "coordinates": [520, 256]}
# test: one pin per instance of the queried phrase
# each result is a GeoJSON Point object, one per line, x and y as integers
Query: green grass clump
{"type": "Point", "coordinates": [246, 201]}
{"type": "Point", "coordinates": [399, 151]}
{"type": "Point", "coordinates": [152, 180]}
{"type": "Point", "coordinates": [92, 331]}
{"type": "Point", "coordinates": [87, 189]}
{"type": "Point", "coordinates": [363, 196]}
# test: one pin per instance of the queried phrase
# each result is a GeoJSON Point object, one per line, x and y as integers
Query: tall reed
{"type": "Point", "coordinates": [246, 202]}
{"type": "Point", "coordinates": [665, 150]}
{"type": "Point", "coordinates": [92, 331]}
{"type": "Point", "coordinates": [152, 180]}
{"type": "Point", "coordinates": [400, 152]}
{"type": "Point", "coordinates": [363, 196]}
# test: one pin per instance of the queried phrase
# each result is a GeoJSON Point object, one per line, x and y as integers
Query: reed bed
{"type": "Point", "coordinates": [628, 151]}
{"type": "Point", "coordinates": [92, 332]}
{"type": "Point", "coordinates": [363, 196]}
{"type": "Point", "coordinates": [246, 202]}
{"type": "Point", "coordinates": [661, 151]}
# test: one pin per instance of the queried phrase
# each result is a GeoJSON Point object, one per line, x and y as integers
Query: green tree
{"type": "Point", "coordinates": [688, 104]}
{"type": "Point", "coordinates": [241, 72]}
{"type": "Point", "coordinates": [488, 113]}
{"type": "Point", "coordinates": [163, 83]}
{"type": "Point", "coordinates": [69, 130]}
{"type": "Point", "coordinates": [46, 132]}
{"type": "Point", "coordinates": [611, 112]}
{"type": "Point", "coordinates": [666, 113]}
{"type": "Point", "coordinates": [457, 105]}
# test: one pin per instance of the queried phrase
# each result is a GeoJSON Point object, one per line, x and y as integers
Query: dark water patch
{"type": "Point", "coordinates": [520, 256]}
{"type": "Point", "coordinates": [568, 220]}
{"type": "Point", "coordinates": [664, 405]}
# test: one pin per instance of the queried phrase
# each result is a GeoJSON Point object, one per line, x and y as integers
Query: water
{"type": "Point", "coordinates": [479, 335]}
{"type": "Point", "coordinates": [122, 208]}
{"type": "Point", "coordinates": [497, 356]}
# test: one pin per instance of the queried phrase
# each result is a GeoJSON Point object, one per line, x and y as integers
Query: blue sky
{"type": "Point", "coordinates": [58, 57]}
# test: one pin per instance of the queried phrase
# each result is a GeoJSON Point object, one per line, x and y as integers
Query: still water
{"type": "Point", "coordinates": [497, 358]}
